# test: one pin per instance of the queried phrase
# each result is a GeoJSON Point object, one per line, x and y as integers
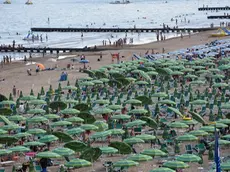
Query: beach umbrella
{"type": "Point", "coordinates": [199, 102]}
{"type": "Point", "coordinates": [133, 101]}
{"type": "Point", "coordinates": [7, 102]}
{"type": "Point", "coordinates": [189, 122]}
{"type": "Point", "coordinates": [188, 158]}
{"type": "Point", "coordinates": [220, 85]}
{"type": "Point", "coordinates": [153, 152]}
{"type": "Point", "coordinates": [176, 111]}
{"type": "Point", "coordinates": [226, 136]}
{"type": "Point", "coordinates": [197, 117]}
{"type": "Point", "coordinates": [37, 119]}
{"type": "Point", "coordinates": [209, 129]}
{"type": "Point", "coordinates": [221, 142]}
{"type": "Point", "coordinates": [74, 131]}
{"type": "Point", "coordinates": [190, 76]}
{"type": "Point", "coordinates": [225, 166]}
{"type": "Point", "coordinates": [130, 79]}
{"type": "Point", "coordinates": [175, 164]}
{"type": "Point", "coordinates": [86, 83]}
{"type": "Point", "coordinates": [104, 80]}
{"type": "Point", "coordinates": [47, 154]}
{"type": "Point", "coordinates": [102, 126]}
{"type": "Point", "coordinates": [76, 146]}
{"type": "Point", "coordinates": [52, 116]}
{"type": "Point", "coordinates": [87, 78]}
{"type": "Point", "coordinates": [102, 101]}
{"type": "Point", "coordinates": [36, 111]}
{"type": "Point", "coordinates": [74, 119]}
{"type": "Point", "coordinates": [114, 107]}
{"type": "Point", "coordinates": [116, 131]}
{"type": "Point", "coordinates": [217, 76]}
{"type": "Point", "coordinates": [225, 106]}
{"type": "Point", "coordinates": [19, 149]}
{"type": "Point", "coordinates": [139, 157]}
{"type": "Point", "coordinates": [77, 163]}
{"type": "Point", "coordinates": [198, 82]}
{"type": "Point", "coordinates": [89, 127]}
{"type": "Point", "coordinates": [187, 137]}
{"type": "Point", "coordinates": [133, 140]}
{"type": "Point", "coordinates": [70, 101]}
{"type": "Point", "coordinates": [141, 83]}
{"type": "Point", "coordinates": [70, 87]}
{"type": "Point", "coordinates": [102, 111]}
{"type": "Point", "coordinates": [37, 102]}
{"type": "Point", "coordinates": [97, 82]}
{"type": "Point", "coordinates": [125, 163]}
{"type": "Point", "coordinates": [135, 123]}
{"type": "Point", "coordinates": [20, 135]}
{"type": "Point", "coordinates": [162, 169]}
{"type": "Point", "coordinates": [168, 102]}
{"type": "Point", "coordinates": [178, 125]}
{"type": "Point", "coordinates": [70, 111]}
{"type": "Point", "coordinates": [100, 134]}
{"type": "Point", "coordinates": [36, 131]}
{"type": "Point", "coordinates": [219, 125]}
{"type": "Point", "coordinates": [17, 118]}
{"type": "Point", "coordinates": [224, 121]}
{"type": "Point", "coordinates": [5, 152]}
{"type": "Point", "coordinates": [2, 131]}
{"type": "Point", "coordinates": [146, 137]}
{"type": "Point", "coordinates": [48, 139]}
{"type": "Point", "coordinates": [33, 144]}
{"type": "Point", "coordinates": [177, 73]}
{"type": "Point", "coordinates": [187, 70]}
{"type": "Point", "coordinates": [152, 73]}
{"type": "Point", "coordinates": [198, 133]}
{"type": "Point", "coordinates": [159, 94]}
{"type": "Point", "coordinates": [61, 123]}
{"type": "Point", "coordinates": [10, 127]}
{"type": "Point", "coordinates": [138, 111]}
{"type": "Point", "coordinates": [108, 150]}
{"type": "Point", "coordinates": [63, 151]}
{"type": "Point", "coordinates": [123, 117]}
{"type": "Point", "coordinates": [28, 98]}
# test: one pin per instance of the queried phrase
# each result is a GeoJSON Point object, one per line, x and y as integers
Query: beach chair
{"type": "Point", "coordinates": [38, 168]}
{"type": "Point", "coordinates": [188, 149]}
{"type": "Point", "coordinates": [201, 148]}
{"type": "Point", "coordinates": [2, 170]}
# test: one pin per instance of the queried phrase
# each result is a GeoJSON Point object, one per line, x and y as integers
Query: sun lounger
{"type": "Point", "coordinates": [188, 149]}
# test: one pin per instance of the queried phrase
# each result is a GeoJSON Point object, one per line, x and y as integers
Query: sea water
{"type": "Point", "coordinates": [19, 18]}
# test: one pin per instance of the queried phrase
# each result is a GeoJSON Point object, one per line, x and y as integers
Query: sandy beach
{"type": "Point", "coordinates": [16, 72]}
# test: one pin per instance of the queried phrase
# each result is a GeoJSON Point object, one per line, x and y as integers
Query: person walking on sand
{"type": "Point", "coordinates": [14, 91]}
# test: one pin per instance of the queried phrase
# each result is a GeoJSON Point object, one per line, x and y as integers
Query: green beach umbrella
{"type": "Point", "coordinates": [19, 149]}
{"type": "Point", "coordinates": [226, 136]}
{"type": "Point", "coordinates": [187, 137]}
{"type": "Point", "coordinates": [116, 131]}
{"type": "Point", "coordinates": [70, 87]}
{"type": "Point", "coordinates": [100, 134]}
{"type": "Point", "coordinates": [168, 102]}
{"type": "Point", "coordinates": [5, 152]}
{"type": "Point", "coordinates": [133, 140]}
{"type": "Point", "coordinates": [138, 111]}
{"type": "Point", "coordinates": [187, 70]}
{"type": "Point", "coordinates": [153, 152]}
{"type": "Point", "coordinates": [141, 83]}
{"type": "Point", "coordinates": [17, 118]}
{"type": "Point", "coordinates": [48, 139]}
{"type": "Point", "coordinates": [63, 151]}
{"type": "Point", "coordinates": [108, 150]}
{"type": "Point", "coordinates": [52, 116]}
{"type": "Point", "coordinates": [139, 157]}
{"type": "Point", "coordinates": [37, 119]}
{"type": "Point", "coordinates": [114, 107]}
{"type": "Point", "coordinates": [123, 117]}
{"type": "Point", "coordinates": [61, 123]}
{"type": "Point", "coordinates": [7, 102]}
{"type": "Point", "coordinates": [189, 122]}
{"type": "Point", "coordinates": [146, 137]}
{"type": "Point", "coordinates": [133, 101]}
{"type": "Point", "coordinates": [220, 85]}
{"type": "Point", "coordinates": [221, 142]}
{"type": "Point", "coordinates": [37, 102]}
{"type": "Point", "coordinates": [74, 119]}
{"type": "Point", "coordinates": [28, 98]}
{"type": "Point", "coordinates": [219, 125]}
{"type": "Point", "coordinates": [102, 126]}
{"type": "Point", "coordinates": [105, 80]}
{"type": "Point", "coordinates": [2, 131]}
{"type": "Point", "coordinates": [36, 131]}
{"type": "Point", "coordinates": [175, 165]}
{"type": "Point", "coordinates": [198, 82]}
{"type": "Point", "coordinates": [89, 127]}
{"type": "Point", "coordinates": [190, 76]}
{"type": "Point", "coordinates": [125, 163]}
{"type": "Point", "coordinates": [101, 101]}
{"type": "Point", "coordinates": [102, 111]}
{"type": "Point", "coordinates": [199, 102]}
{"type": "Point", "coordinates": [70, 101]}
{"type": "Point", "coordinates": [70, 111]}
{"type": "Point", "coordinates": [188, 158]}
{"type": "Point", "coordinates": [178, 125]}
{"type": "Point", "coordinates": [159, 94]}
{"type": "Point", "coordinates": [225, 166]}
{"type": "Point", "coordinates": [34, 144]}
{"type": "Point", "coordinates": [176, 111]}
{"type": "Point", "coordinates": [198, 133]}
{"type": "Point", "coordinates": [77, 163]}
{"type": "Point", "coordinates": [209, 129]}
{"type": "Point", "coordinates": [87, 83]}
{"type": "Point", "coordinates": [20, 135]}
{"type": "Point", "coordinates": [197, 117]}
{"type": "Point", "coordinates": [162, 169]}
{"type": "Point", "coordinates": [152, 73]}
{"type": "Point", "coordinates": [225, 106]}
{"type": "Point", "coordinates": [47, 154]}
{"type": "Point", "coordinates": [135, 123]}
{"type": "Point", "coordinates": [36, 111]}
{"type": "Point", "coordinates": [10, 127]}
{"type": "Point", "coordinates": [74, 131]}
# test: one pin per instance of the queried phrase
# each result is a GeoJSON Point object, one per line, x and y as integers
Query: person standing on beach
{"type": "Point", "coordinates": [14, 91]}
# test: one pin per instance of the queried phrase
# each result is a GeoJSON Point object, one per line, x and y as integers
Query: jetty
{"type": "Point", "coordinates": [219, 17]}
{"type": "Point", "coordinates": [214, 8]}
{"type": "Point", "coordinates": [48, 50]}
{"type": "Point", "coordinates": [138, 30]}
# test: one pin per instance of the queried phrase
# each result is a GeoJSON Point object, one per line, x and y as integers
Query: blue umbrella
{"type": "Point", "coordinates": [84, 61]}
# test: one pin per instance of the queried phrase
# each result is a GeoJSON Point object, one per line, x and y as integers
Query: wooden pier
{"type": "Point", "coordinates": [138, 30]}
{"type": "Point", "coordinates": [214, 8]}
{"type": "Point", "coordinates": [219, 17]}
{"type": "Point", "coordinates": [48, 50]}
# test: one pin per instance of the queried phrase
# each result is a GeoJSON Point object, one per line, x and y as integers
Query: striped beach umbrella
{"type": "Point", "coordinates": [74, 119]}
{"type": "Point", "coordinates": [153, 152]}
{"type": "Point", "coordinates": [52, 116]}
{"type": "Point", "coordinates": [36, 131]}
{"type": "Point", "coordinates": [108, 150]}
{"type": "Point", "coordinates": [209, 129]}
{"type": "Point", "coordinates": [139, 157]}
{"type": "Point", "coordinates": [100, 134]}
{"type": "Point", "coordinates": [70, 111]}
{"type": "Point", "coordinates": [133, 140]}
{"type": "Point", "coordinates": [138, 111]}
{"type": "Point", "coordinates": [123, 117]}
{"type": "Point", "coordinates": [70, 87]}
{"type": "Point", "coordinates": [221, 142]}
{"type": "Point", "coordinates": [102, 126]}
{"type": "Point", "coordinates": [116, 131]}
{"type": "Point", "coordinates": [88, 127]}
{"type": "Point", "coordinates": [2, 131]}
{"type": "Point", "coordinates": [187, 137]}
{"type": "Point", "coordinates": [219, 125]}
{"type": "Point", "coordinates": [33, 144]}
{"type": "Point", "coordinates": [133, 101]}
{"type": "Point", "coordinates": [19, 149]}
{"type": "Point", "coordinates": [162, 169]}
{"type": "Point", "coordinates": [37, 119]}
{"type": "Point", "coordinates": [36, 111]}
{"type": "Point", "coordinates": [102, 111]}
{"type": "Point", "coordinates": [175, 165]}
{"type": "Point", "coordinates": [176, 111]}
{"type": "Point", "coordinates": [135, 123]}
{"type": "Point", "coordinates": [37, 102]}
{"type": "Point", "coordinates": [47, 154]}
{"type": "Point", "coordinates": [102, 101]}
{"type": "Point", "coordinates": [5, 152]}
{"type": "Point", "coordinates": [61, 123]}
{"type": "Point", "coordinates": [188, 158]}
{"type": "Point", "coordinates": [146, 137]}
{"type": "Point", "coordinates": [178, 125]}
{"type": "Point", "coordinates": [226, 136]}
{"type": "Point", "coordinates": [17, 118]}
{"type": "Point", "coordinates": [48, 139]}
{"type": "Point", "coordinates": [189, 122]}
{"type": "Point", "coordinates": [224, 121]}
{"type": "Point", "coordinates": [63, 151]}
{"type": "Point", "coordinates": [114, 107]}
{"type": "Point", "coordinates": [125, 163]}
{"type": "Point", "coordinates": [10, 127]}
{"type": "Point", "coordinates": [74, 131]}
{"type": "Point", "coordinates": [198, 133]}
{"type": "Point", "coordinates": [225, 166]}
{"type": "Point", "coordinates": [28, 98]}
{"type": "Point", "coordinates": [7, 102]}
{"type": "Point", "coordinates": [77, 163]}
{"type": "Point", "coordinates": [20, 135]}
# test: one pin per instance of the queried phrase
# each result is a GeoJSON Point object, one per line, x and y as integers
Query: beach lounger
{"type": "Point", "coordinates": [188, 149]}
{"type": "Point", "coordinates": [38, 168]}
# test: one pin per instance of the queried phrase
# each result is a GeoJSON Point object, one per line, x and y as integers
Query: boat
{"type": "Point", "coordinates": [29, 2]}
{"type": "Point", "coordinates": [221, 33]}
{"type": "Point", "coordinates": [121, 2]}
{"type": "Point", "coordinates": [7, 2]}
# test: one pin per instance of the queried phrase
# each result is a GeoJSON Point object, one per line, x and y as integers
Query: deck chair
{"type": "Point", "coordinates": [188, 149]}
{"type": "Point", "coordinates": [201, 148]}
{"type": "Point", "coordinates": [38, 168]}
